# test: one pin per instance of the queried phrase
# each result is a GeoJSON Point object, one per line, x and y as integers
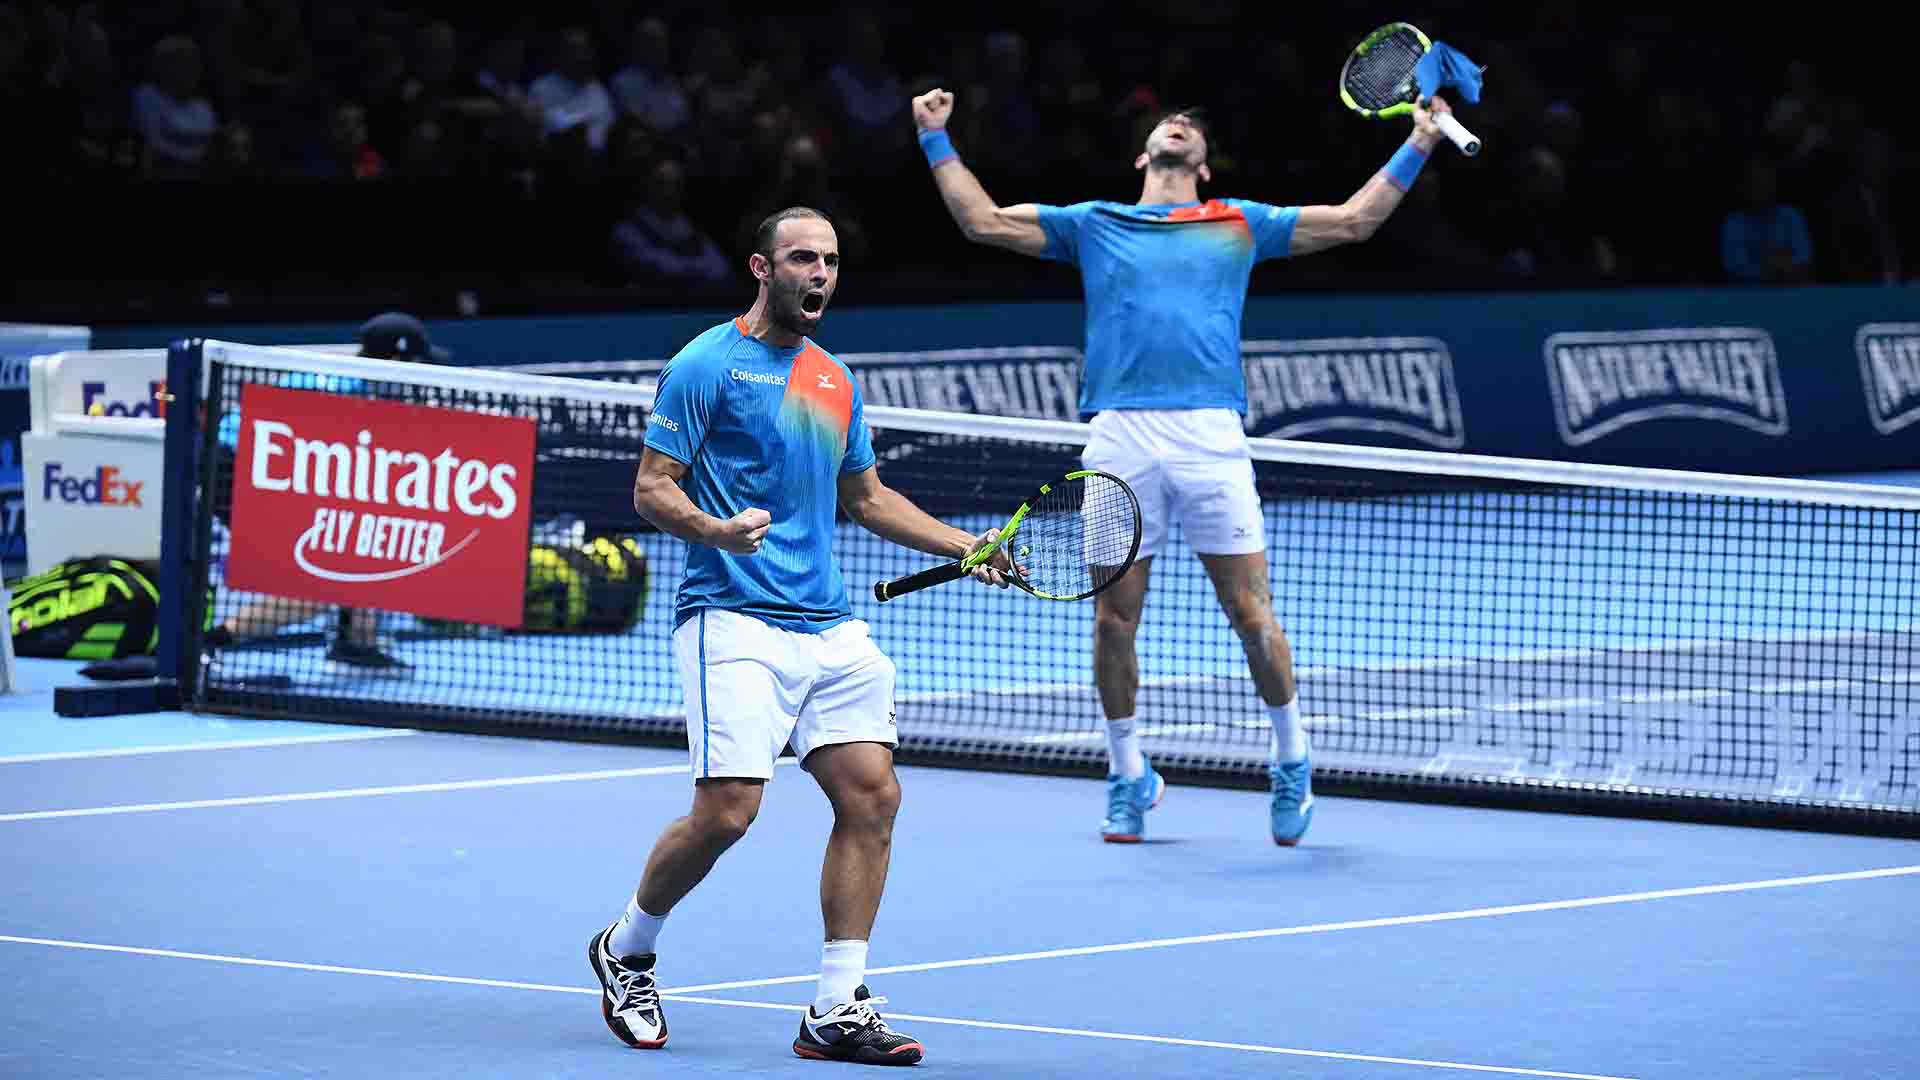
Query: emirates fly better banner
{"type": "Point", "coordinates": [377, 504]}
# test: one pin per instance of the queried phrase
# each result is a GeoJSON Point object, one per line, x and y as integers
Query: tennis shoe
{"type": "Point", "coordinates": [1292, 785]}
{"type": "Point", "coordinates": [629, 998]}
{"type": "Point", "coordinates": [852, 1031]}
{"type": "Point", "coordinates": [1128, 800]}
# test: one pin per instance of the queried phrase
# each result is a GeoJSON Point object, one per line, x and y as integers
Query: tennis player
{"type": "Point", "coordinates": [757, 435]}
{"type": "Point", "coordinates": [1165, 280]}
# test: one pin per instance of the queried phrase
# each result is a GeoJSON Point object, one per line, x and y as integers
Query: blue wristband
{"type": "Point", "coordinates": [1405, 165]}
{"type": "Point", "coordinates": [938, 148]}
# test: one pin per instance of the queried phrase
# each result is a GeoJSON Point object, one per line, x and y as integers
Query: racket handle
{"type": "Point", "coordinates": [884, 591]}
{"type": "Point", "coordinates": [1467, 141]}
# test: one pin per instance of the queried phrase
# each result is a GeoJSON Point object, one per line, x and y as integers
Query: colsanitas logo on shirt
{"type": "Point", "coordinates": [757, 377]}
{"type": "Point", "coordinates": [1890, 372]}
{"type": "Point", "coordinates": [1606, 380]}
{"type": "Point", "coordinates": [1401, 385]}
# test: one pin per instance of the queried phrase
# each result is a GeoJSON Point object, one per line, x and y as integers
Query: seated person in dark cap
{"type": "Point", "coordinates": [391, 335]}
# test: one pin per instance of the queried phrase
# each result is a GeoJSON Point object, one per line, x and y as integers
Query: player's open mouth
{"type": "Point", "coordinates": [813, 302]}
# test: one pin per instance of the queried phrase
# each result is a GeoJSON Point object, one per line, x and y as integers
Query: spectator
{"type": "Point", "coordinates": [868, 93]}
{"type": "Point", "coordinates": [88, 110]}
{"type": "Point", "coordinates": [380, 88]}
{"type": "Point", "coordinates": [234, 155]}
{"type": "Point", "coordinates": [571, 96]}
{"type": "Point", "coordinates": [216, 25]}
{"type": "Point", "coordinates": [1549, 239]}
{"type": "Point", "coordinates": [1422, 234]}
{"type": "Point", "coordinates": [502, 74]}
{"type": "Point", "coordinates": [801, 180]}
{"type": "Point", "coordinates": [657, 242]}
{"type": "Point", "coordinates": [647, 88]}
{"type": "Point", "coordinates": [1006, 125]}
{"type": "Point", "coordinates": [1618, 106]}
{"type": "Point", "coordinates": [1863, 244]}
{"type": "Point", "coordinates": [1806, 161]}
{"type": "Point", "coordinates": [723, 92]}
{"type": "Point", "coordinates": [348, 153]}
{"type": "Point", "coordinates": [425, 152]}
{"type": "Point", "coordinates": [632, 149]}
{"type": "Point", "coordinates": [1765, 242]}
{"type": "Point", "coordinates": [173, 118]}
{"type": "Point", "coordinates": [273, 62]}
{"type": "Point", "coordinates": [436, 60]}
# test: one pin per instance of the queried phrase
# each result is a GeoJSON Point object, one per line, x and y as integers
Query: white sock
{"type": "Point", "coordinates": [636, 931]}
{"type": "Point", "coordinates": [1289, 734]}
{"type": "Point", "coordinates": [1123, 744]}
{"type": "Point", "coordinates": [843, 967]}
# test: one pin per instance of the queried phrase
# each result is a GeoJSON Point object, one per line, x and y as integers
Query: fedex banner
{"type": "Point", "coordinates": [378, 504]}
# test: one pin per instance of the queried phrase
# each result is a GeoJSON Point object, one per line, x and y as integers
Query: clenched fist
{"type": "Point", "coordinates": [742, 533]}
{"type": "Point", "coordinates": [931, 109]}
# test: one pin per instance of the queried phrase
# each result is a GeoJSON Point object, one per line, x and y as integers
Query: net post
{"type": "Point", "coordinates": [181, 480]}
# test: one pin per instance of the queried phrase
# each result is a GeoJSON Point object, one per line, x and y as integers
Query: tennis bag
{"type": "Point", "coordinates": [97, 608]}
{"type": "Point", "coordinates": [598, 587]}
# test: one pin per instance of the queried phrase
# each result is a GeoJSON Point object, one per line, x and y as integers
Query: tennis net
{"type": "Point", "coordinates": [1464, 628]}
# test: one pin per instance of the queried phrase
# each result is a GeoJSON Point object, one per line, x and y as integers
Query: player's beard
{"type": "Point", "coordinates": [787, 312]}
{"type": "Point", "coordinates": [1174, 160]}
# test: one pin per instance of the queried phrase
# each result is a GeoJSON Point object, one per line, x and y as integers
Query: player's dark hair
{"type": "Point", "coordinates": [1197, 116]}
{"type": "Point", "coordinates": [763, 236]}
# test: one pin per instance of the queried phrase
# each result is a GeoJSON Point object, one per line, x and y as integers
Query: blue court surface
{"type": "Point", "coordinates": [192, 897]}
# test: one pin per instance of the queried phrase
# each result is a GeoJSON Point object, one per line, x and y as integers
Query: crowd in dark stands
{"type": "Point", "coordinates": [1612, 158]}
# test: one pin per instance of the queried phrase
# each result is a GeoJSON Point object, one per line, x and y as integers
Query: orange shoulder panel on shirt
{"type": "Point", "coordinates": [1211, 210]}
{"type": "Point", "coordinates": [816, 382]}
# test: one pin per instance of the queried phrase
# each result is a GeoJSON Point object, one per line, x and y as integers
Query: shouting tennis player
{"type": "Point", "coordinates": [1166, 282]}
{"type": "Point", "coordinates": [756, 435]}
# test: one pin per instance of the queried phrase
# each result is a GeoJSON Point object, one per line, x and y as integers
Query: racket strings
{"type": "Point", "coordinates": [1076, 537]}
{"type": "Point", "coordinates": [1383, 75]}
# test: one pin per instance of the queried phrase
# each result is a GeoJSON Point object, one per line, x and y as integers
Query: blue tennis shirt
{"type": "Point", "coordinates": [771, 428]}
{"type": "Point", "coordinates": [1166, 286]}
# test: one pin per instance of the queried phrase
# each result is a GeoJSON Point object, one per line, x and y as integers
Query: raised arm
{"type": "Point", "coordinates": [1321, 227]}
{"type": "Point", "coordinates": [981, 220]}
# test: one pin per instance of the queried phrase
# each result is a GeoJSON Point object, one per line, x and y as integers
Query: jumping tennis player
{"type": "Point", "coordinates": [757, 434]}
{"type": "Point", "coordinates": [1166, 283]}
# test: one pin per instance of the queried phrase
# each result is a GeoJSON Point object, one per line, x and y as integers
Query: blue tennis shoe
{"type": "Point", "coordinates": [1128, 801]}
{"type": "Point", "coordinates": [1292, 785]}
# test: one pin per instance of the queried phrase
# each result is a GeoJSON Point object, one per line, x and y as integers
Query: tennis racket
{"type": "Point", "coordinates": [1069, 540]}
{"type": "Point", "coordinates": [1377, 80]}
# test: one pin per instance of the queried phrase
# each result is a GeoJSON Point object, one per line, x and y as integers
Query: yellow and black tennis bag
{"type": "Point", "coordinates": [95, 608]}
{"type": "Point", "coordinates": [598, 587]}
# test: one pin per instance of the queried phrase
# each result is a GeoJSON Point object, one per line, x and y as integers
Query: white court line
{"type": "Point", "coordinates": [232, 744]}
{"type": "Point", "coordinates": [1168, 1040]}
{"type": "Point", "coordinates": [378, 973]}
{"type": "Point", "coordinates": [294, 965]}
{"type": "Point", "coordinates": [1322, 928]}
{"type": "Point", "coordinates": [346, 793]}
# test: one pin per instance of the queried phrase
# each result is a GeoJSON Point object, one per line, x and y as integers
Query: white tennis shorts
{"type": "Point", "coordinates": [1189, 465]}
{"type": "Point", "coordinates": [751, 687]}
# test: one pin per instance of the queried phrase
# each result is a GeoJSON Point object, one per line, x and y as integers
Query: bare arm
{"type": "Point", "coordinates": [981, 220]}
{"type": "Point", "coordinates": [892, 516]}
{"type": "Point", "coordinates": [658, 497]}
{"type": "Point", "coordinates": [1356, 220]}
